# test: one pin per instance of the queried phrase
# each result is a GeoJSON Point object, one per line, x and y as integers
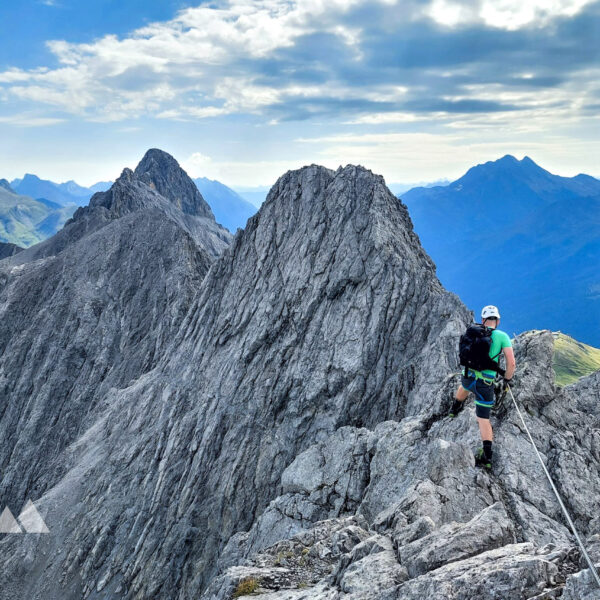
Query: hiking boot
{"type": "Point", "coordinates": [456, 408]}
{"type": "Point", "coordinates": [482, 461]}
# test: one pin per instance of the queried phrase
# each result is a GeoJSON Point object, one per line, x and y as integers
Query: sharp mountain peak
{"type": "Point", "coordinates": [316, 176]}
{"type": "Point", "coordinates": [158, 182]}
{"type": "Point", "coordinates": [508, 164]}
{"type": "Point", "coordinates": [162, 172]}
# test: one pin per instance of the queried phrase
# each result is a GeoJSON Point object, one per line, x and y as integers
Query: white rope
{"type": "Point", "coordinates": [566, 513]}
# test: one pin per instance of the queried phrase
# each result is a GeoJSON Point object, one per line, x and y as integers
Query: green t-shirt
{"type": "Point", "coordinates": [500, 340]}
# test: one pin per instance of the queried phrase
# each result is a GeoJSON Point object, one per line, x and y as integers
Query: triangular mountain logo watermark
{"type": "Point", "coordinates": [8, 523]}
{"type": "Point", "coordinates": [31, 519]}
{"type": "Point", "coordinates": [28, 521]}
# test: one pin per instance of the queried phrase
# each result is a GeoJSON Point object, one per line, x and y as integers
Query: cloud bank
{"type": "Point", "coordinates": [364, 62]}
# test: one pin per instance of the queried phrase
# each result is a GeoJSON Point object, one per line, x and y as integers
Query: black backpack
{"type": "Point", "coordinates": [474, 349]}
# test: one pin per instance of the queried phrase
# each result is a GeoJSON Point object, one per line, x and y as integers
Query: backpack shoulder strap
{"type": "Point", "coordinates": [500, 352]}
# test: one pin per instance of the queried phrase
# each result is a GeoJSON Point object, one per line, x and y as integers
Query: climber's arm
{"type": "Point", "coordinates": [509, 356]}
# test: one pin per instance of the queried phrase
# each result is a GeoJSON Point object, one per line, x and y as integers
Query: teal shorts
{"type": "Point", "coordinates": [484, 395]}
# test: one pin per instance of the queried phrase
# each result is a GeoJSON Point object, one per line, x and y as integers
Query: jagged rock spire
{"type": "Point", "coordinates": [162, 172]}
{"type": "Point", "coordinates": [157, 184]}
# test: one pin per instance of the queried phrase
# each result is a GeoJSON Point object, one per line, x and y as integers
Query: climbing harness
{"type": "Point", "coordinates": [566, 513]}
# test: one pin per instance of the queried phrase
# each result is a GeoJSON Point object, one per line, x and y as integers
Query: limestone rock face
{"type": "Point", "coordinates": [491, 528]}
{"type": "Point", "coordinates": [83, 316]}
{"type": "Point", "coordinates": [455, 530]}
{"type": "Point", "coordinates": [587, 392]}
{"type": "Point", "coordinates": [290, 426]}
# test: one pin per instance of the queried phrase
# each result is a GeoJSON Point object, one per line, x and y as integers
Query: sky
{"type": "Point", "coordinates": [241, 91]}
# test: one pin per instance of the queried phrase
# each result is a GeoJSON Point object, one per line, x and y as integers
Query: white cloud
{"type": "Point", "coordinates": [195, 49]}
{"type": "Point", "coordinates": [19, 75]}
{"type": "Point", "coordinates": [206, 62]}
{"type": "Point", "coordinates": [513, 14]}
{"type": "Point", "coordinates": [191, 112]}
{"type": "Point", "coordinates": [75, 99]}
{"type": "Point", "coordinates": [196, 164]}
{"type": "Point", "coordinates": [452, 13]}
{"type": "Point", "coordinates": [503, 14]}
{"type": "Point", "coordinates": [387, 118]}
{"type": "Point", "coordinates": [28, 120]}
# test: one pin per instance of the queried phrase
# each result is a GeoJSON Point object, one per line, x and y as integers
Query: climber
{"type": "Point", "coordinates": [488, 340]}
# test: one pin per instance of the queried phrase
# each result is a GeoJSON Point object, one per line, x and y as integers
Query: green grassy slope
{"type": "Point", "coordinates": [25, 221]}
{"type": "Point", "coordinates": [573, 360]}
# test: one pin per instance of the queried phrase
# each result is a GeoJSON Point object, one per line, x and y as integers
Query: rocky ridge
{"type": "Point", "coordinates": [430, 524]}
{"type": "Point", "coordinates": [84, 313]}
{"type": "Point", "coordinates": [292, 430]}
{"type": "Point", "coordinates": [139, 190]}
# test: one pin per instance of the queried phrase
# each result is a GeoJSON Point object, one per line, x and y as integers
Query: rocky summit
{"type": "Point", "coordinates": [197, 416]}
{"type": "Point", "coordinates": [86, 312]}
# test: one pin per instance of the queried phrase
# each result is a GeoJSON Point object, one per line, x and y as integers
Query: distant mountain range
{"type": "Point", "coordinates": [400, 188]}
{"type": "Point", "coordinates": [507, 233]}
{"type": "Point", "coordinates": [512, 234]}
{"type": "Point", "coordinates": [25, 221]}
{"type": "Point", "coordinates": [61, 193]}
{"type": "Point", "coordinates": [230, 209]}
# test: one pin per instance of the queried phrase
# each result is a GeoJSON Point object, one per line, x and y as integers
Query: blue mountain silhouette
{"type": "Point", "coordinates": [229, 208]}
{"type": "Point", "coordinates": [511, 233]}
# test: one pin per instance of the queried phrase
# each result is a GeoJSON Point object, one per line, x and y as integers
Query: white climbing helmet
{"type": "Point", "coordinates": [490, 311]}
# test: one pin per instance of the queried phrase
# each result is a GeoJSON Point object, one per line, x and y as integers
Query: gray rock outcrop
{"type": "Point", "coordinates": [283, 420]}
{"type": "Point", "coordinates": [84, 315]}
{"type": "Point", "coordinates": [457, 532]}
